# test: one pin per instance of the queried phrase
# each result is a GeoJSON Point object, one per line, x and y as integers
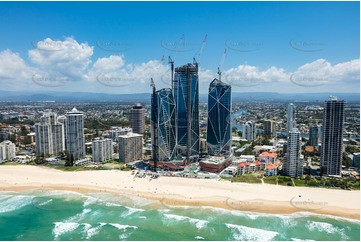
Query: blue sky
{"type": "Point", "coordinates": [270, 45]}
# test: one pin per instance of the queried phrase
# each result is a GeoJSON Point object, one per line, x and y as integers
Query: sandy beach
{"type": "Point", "coordinates": [176, 191]}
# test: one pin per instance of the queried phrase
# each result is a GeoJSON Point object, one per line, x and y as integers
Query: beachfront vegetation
{"type": "Point", "coordinates": [249, 178]}
{"type": "Point", "coordinates": [284, 180]}
{"type": "Point", "coordinates": [270, 180]}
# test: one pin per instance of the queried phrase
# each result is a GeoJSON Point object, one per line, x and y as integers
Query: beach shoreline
{"type": "Point", "coordinates": [175, 191]}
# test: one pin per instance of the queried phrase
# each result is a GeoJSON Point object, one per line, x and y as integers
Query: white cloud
{"type": "Point", "coordinates": [112, 72]}
{"type": "Point", "coordinates": [12, 66]}
{"type": "Point", "coordinates": [58, 63]}
{"type": "Point", "coordinates": [62, 58]}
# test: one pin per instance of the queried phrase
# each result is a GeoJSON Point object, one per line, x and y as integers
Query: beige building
{"type": "Point", "coordinates": [130, 147]}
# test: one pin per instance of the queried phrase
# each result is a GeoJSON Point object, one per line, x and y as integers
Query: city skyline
{"type": "Point", "coordinates": [72, 51]}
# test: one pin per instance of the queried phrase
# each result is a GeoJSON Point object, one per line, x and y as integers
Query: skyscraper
{"type": "Point", "coordinates": [186, 95]}
{"type": "Point", "coordinates": [75, 134]}
{"type": "Point", "coordinates": [293, 166]}
{"type": "Point", "coordinates": [138, 118]}
{"type": "Point", "coordinates": [163, 125]}
{"type": "Point", "coordinates": [313, 136]}
{"type": "Point", "coordinates": [332, 136]}
{"type": "Point", "coordinates": [290, 117]}
{"type": "Point", "coordinates": [219, 130]}
{"type": "Point", "coordinates": [249, 131]}
{"type": "Point", "coordinates": [49, 135]}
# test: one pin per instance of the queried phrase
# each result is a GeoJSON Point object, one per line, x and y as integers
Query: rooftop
{"type": "Point", "coordinates": [130, 135]}
{"type": "Point", "coordinates": [214, 160]}
{"type": "Point", "coordinates": [269, 154]}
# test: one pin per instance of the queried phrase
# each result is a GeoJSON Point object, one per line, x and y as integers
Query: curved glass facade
{"type": "Point", "coordinates": [219, 130]}
{"type": "Point", "coordinates": [163, 125]}
{"type": "Point", "coordinates": [186, 95]}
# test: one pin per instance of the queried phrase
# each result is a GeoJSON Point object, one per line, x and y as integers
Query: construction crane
{"type": "Point", "coordinates": [171, 62]}
{"type": "Point", "coordinates": [219, 72]}
{"type": "Point", "coordinates": [202, 48]}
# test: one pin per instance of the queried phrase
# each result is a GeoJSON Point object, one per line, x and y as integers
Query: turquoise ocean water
{"type": "Point", "coordinates": [66, 215]}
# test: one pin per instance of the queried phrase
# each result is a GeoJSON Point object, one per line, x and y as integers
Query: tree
{"type": "Point", "coordinates": [70, 160]}
{"type": "Point", "coordinates": [346, 161]}
{"type": "Point", "coordinates": [352, 149]}
{"type": "Point", "coordinates": [234, 130]}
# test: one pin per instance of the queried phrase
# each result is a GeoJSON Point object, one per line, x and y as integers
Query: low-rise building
{"type": "Point", "coordinates": [214, 163]}
{"type": "Point", "coordinates": [271, 169]}
{"type": "Point", "coordinates": [268, 157]}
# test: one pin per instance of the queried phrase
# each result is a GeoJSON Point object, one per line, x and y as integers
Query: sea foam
{"type": "Point", "coordinates": [61, 228]}
{"type": "Point", "coordinates": [240, 232]}
{"type": "Point", "coordinates": [197, 222]}
{"type": "Point", "coordinates": [10, 203]}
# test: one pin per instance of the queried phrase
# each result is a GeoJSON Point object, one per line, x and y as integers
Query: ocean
{"type": "Point", "coordinates": [67, 215]}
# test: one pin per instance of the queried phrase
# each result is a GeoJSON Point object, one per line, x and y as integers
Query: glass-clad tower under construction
{"type": "Point", "coordinates": [186, 95]}
{"type": "Point", "coordinates": [219, 130]}
{"type": "Point", "coordinates": [163, 125]}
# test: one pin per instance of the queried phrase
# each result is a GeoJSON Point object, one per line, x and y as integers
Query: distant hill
{"type": "Point", "coordinates": [33, 96]}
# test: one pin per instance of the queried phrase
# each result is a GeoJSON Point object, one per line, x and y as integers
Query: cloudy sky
{"type": "Point", "coordinates": [116, 47]}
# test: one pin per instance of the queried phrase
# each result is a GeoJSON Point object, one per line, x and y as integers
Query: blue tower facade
{"type": "Point", "coordinates": [219, 130]}
{"type": "Point", "coordinates": [186, 95]}
{"type": "Point", "coordinates": [163, 125]}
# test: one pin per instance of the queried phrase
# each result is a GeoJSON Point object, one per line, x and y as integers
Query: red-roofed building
{"type": "Point", "coordinates": [268, 157]}
{"type": "Point", "coordinates": [248, 167]}
{"type": "Point", "coordinates": [271, 169]}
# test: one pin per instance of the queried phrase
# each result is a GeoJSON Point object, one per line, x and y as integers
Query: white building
{"type": "Point", "coordinates": [75, 134]}
{"type": "Point", "coordinates": [49, 135]}
{"type": "Point", "coordinates": [7, 150]}
{"type": "Point", "coordinates": [294, 165]}
{"type": "Point", "coordinates": [62, 120]}
{"type": "Point", "coordinates": [130, 147]}
{"type": "Point", "coordinates": [115, 132]}
{"type": "Point", "coordinates": [102, 150]}
{"type": "Point", "coordinates": [249, 131]}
